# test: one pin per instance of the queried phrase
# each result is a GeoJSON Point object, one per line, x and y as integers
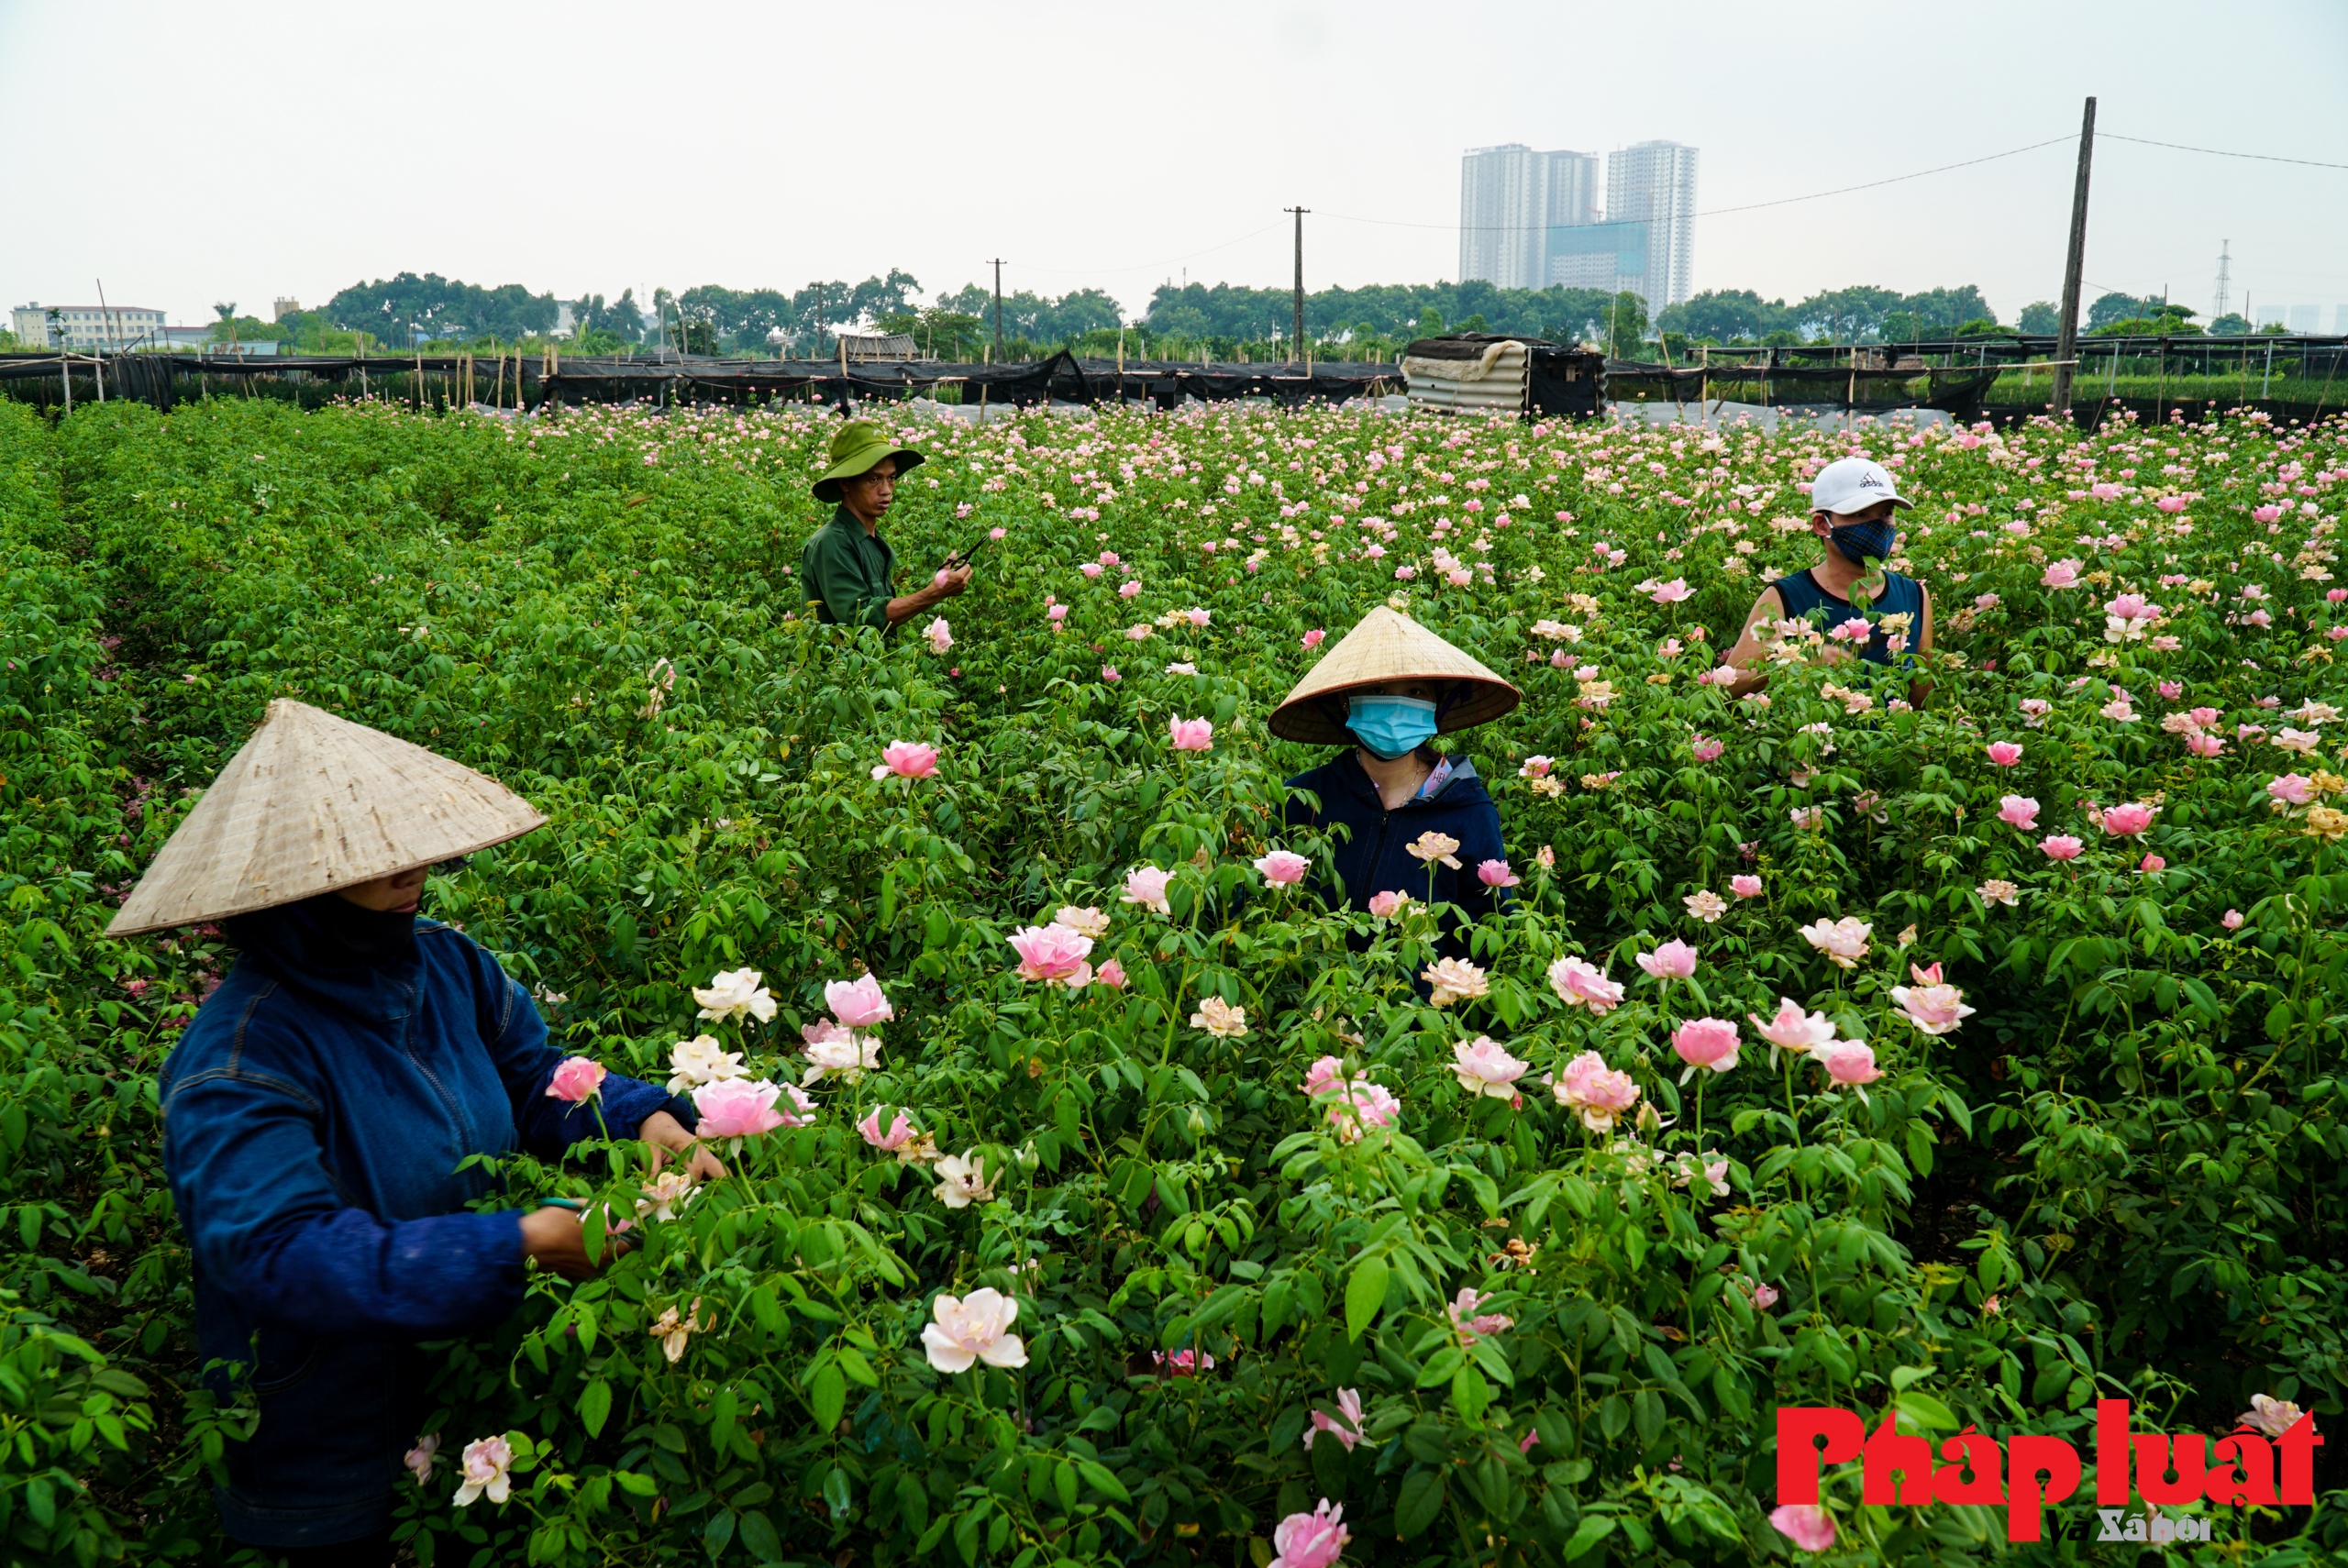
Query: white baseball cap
{"type": "Point", "coordinates": [1854, 484]}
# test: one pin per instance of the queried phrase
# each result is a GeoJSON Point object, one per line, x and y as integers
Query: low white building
{"type": "Point", "coordinates": [87, 326]}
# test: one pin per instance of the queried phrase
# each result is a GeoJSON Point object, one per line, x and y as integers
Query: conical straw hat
{"type": "Point", "coordinates": [1388, 646]}
{"type": "Point", "coordinates": [311, 804]}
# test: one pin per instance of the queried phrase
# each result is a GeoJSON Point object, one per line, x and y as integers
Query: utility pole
{"type": "Point", "coordinates": [1297, 347]}
{"type": "Point", "coordinates": [2067, 339]}
{"type": "Point", "coordinates": [2225, 261]}
{"type": "Point", "coordinates": [998, 309]}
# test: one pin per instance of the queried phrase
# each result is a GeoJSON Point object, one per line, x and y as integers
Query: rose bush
{"type": "Point", "coordinates": [2034, 1124]}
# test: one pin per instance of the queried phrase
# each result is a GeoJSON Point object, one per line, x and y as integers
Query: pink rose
{"type": "Point", "coordinates": [2232, 920]}
{"type": "Point", "coordinates": [2061, 846]}
{"type": "Point", "coordinates": [899, 1134]}
{"type": "Point", "coordinates": [1806, 1525]}
{"type": "Point", "coordinates": [1283, 868]}
{"type": "Point", "coordinates": [2151, 863]}
{"type": "Point", "coordinates": [1675, 960]}
{"type": "Point", "coordinates": [1091, 569]}
{"type": "Point", "coordinates": [2005, 754]}
{"type": "Point", "coordinates": [2204, 745]}
{"type": "Point", "coordinates": [1705, 748]}
{"type": "Point", "coordinates": [1053, 954]}
{"type": "Point", "coordinates": [1112, 974]}
{"type": "Point", "coordinates": [1313, 639]}
{"type": "Point", "coordinates": [2128, 819]}
{"type": "Point", "coordinates": [2062, 574]}
{"type": "Point", "coordinates": [2171, 690]}
{"type": "Point", "coordinates": [1706, 1043]}
{"type": "Point", "coordinates": [1383, 905]}
{"type": "Point", "coordinates": [1146, 886]}
{"type": "Point", "coordinates": [575, 1079]}
{"type": "Point", "coordinates": [907, 759]}
{"type": "Point", "coordinates": [1600, 1095]}
{"type": "Point", "coordinates": [1848, 1062]}
{"type": "Point", "coordinates": [1794, 1029]}
{"type": "Point", "coordinates": [744, 1108]}
{"type": "Point", "coordinates": [2018, 811]}
{"type": "Point", "coordinates": [859, 1003]}
{"type": "Point", "coordinates": [1109, 673]}
{"type": "Point", "coordinates": [1311, 1540]}
{"type": "Point", "coordinates": [2293, 789]}
{"type": "Point", "coordinates": [1346, 1425]}
{"type": "Point", "coordinates": [1484, 1068]}
{"type": "Point", "coordinates": [1496, 874]}
{"type": "Point", "coordinates": [1127, 590]}
{"type": "Point", "coordinates": [1192, 735]}
{"type": "Point", "coordinates": [1745, 887]}
{"type": "Point", "coordinates": [1576, 982]}
{"type": "Point", "coordinates": [1198, 617]}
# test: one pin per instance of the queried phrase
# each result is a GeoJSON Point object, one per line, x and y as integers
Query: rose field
{"type": "Point", "coordinates": [1102, 1189]}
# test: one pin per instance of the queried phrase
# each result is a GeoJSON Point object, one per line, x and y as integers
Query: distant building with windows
{"type": "Point", "coordinates": [1530, 219]}
{"type": "Point", "coordinates": [83, 327]}
{"type": "Point", "coordinates": [1653, 183]}
{"type": "Point", "coordinates": [1504, 214]}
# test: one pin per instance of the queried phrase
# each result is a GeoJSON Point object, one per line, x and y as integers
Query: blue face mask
{"type": "Point", "coordinates": [1862, 542]}
{"type": "Point", "coordinates": [1391, 727]}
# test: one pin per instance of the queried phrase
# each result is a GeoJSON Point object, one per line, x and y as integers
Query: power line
{"type": "Point", "coordinates": [2220, 152]}
{"type": "Point", "coordinates": [1717, 212]}
{"type": "Point", "coordinates": [1895, 180]}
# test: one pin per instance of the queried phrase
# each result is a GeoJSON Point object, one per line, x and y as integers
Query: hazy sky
{"type": "Point", "coordinates": [191, 153]}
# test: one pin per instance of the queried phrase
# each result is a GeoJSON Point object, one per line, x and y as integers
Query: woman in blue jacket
{"type": "Point", "coordinates": [1384, 692]}
{"type": "Point", "coordinates": [316, 1111]}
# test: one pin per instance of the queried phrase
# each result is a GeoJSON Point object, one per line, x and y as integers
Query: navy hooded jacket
{"type": "Point", "coordinates": [1376, 859]}
{"type": "Point", "coordinates": [314, 1113]}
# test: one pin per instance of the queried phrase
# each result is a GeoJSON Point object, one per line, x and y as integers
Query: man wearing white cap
{"type": "Point", "coordinates": [1854, 504]}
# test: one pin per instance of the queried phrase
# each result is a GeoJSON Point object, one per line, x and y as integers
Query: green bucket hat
{"type": "Point", "coordinates": [857, 447]}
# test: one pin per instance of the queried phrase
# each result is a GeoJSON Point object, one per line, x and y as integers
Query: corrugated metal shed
{"type": "Point", "coordinates": [1467, 372]}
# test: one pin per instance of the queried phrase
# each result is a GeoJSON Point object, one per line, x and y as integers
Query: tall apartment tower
{"type": "Point", "coordinates": [1653, 183]}
{"type": "Point", "coordinates": [1503, 214]}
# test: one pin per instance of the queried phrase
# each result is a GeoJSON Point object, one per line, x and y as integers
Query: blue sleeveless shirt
{"type": "Point", "coordinates": [1804, 599]}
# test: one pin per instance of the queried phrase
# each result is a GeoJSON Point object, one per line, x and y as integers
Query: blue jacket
{"type": "Point", "coordinates": [313, 1115]}
{"type": "Point", "coordinates": [1375, 859]}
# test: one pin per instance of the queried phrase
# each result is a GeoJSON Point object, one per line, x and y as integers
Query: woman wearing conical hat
{"type": "Point", "coordinates": [1384, 693]}
{"type": "Point", "coordinates": [317, 1110]}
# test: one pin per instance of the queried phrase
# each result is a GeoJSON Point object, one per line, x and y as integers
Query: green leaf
{"type": "Point", "coordinates": [852, 1361]}
{"type": "Point", "coordinates": [827, 1395]}
{"type": "Point", "coordinates": [1470, 1394]}
{"type": "Point", "coordinates": [633, 1481]}
{"type": "Point", "coordinates": [1593, 1529]}
{"type": "Point", "coordinates": [1420, 1501]}
{"type": "Point", "coordinates": [595, 1406]}
{"type": "Point", "coordinates": [1103, 1480]}
{"type": "Point", "coordinates": [1365, 1294]}
{"type": "Point", "coordinates": [758, 1534]}
{"type": "Point", "coordinates": [912, 1502]}
{"type": "Point", "coordinates": [1926, 1411]}
{"type": "Point", "coordinates": [1441, 1365]}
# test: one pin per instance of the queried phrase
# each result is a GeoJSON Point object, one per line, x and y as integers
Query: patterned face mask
{"type": "Point", "coordinates": [1862, 542]}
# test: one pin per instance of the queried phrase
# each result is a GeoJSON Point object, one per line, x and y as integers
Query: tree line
{"type": "Point", "coordinates": [1222, 321]}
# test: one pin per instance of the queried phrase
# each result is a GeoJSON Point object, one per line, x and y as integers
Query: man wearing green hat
{"type": "Point", "coordinates": [848, 567]}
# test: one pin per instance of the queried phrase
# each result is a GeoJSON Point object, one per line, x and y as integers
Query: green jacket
{"type": "Point", "coordinates": [847, 572]}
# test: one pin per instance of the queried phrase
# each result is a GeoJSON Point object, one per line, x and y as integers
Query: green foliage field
{"type": "Point", "coordinates": [2121, 1174]}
